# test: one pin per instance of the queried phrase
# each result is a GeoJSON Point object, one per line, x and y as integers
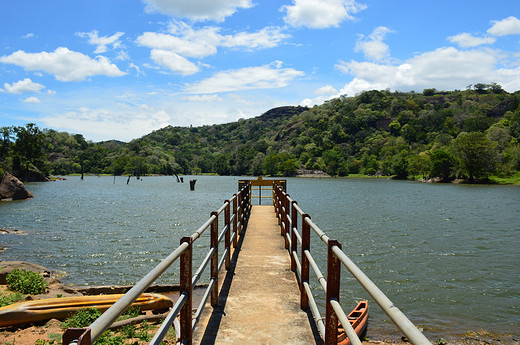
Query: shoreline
{"type": "Point", "coordinates": [57, 289]}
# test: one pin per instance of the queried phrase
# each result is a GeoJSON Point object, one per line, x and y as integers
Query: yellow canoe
{"type": "Point", "coordinates": [60, 308]}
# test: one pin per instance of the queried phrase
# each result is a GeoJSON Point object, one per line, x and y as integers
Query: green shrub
{"type": "Point", "coordinates": [26, 282]}
{"type": "Point", "coordinates": [108, 338]}
{"type": "Point", "coordinates": [82, 318]}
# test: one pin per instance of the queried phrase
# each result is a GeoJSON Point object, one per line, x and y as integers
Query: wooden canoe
{"type": "Point", "coordinates": [358, 318]}
{"type": "Point", "coordinates": [60, 308]}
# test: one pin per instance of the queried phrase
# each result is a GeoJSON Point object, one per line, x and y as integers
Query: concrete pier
{"type": "Point", "coordinates": [259, 296]}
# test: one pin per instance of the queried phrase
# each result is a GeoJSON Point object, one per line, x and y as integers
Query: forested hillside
{"type": "Point", "coordinates": [470, 134]}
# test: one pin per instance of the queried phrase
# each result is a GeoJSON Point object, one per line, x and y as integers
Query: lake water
{"type": "Point", "coordinates": [446, 255]}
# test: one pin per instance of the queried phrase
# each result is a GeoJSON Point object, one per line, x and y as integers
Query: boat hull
{"type": "Point", "coordinates": [61, 308]}
{"type": "Point", "coordinates": [358, 318]}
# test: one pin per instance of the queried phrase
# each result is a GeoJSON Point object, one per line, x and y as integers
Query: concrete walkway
{"type": "Point", "coordinates": [259, 299]}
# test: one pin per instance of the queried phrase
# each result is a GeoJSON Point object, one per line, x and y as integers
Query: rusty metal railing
{"type": "Point", "coordinates": [236, 213]}
{"type": "Point", "coordinates": [288, 212]}
{"type": "Point", "coordinates": [260, 185]}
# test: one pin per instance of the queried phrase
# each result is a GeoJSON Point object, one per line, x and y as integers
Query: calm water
{"type": "Point", "coordinates": [446, 255]}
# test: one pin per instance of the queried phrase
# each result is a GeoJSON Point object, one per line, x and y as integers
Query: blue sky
{"type": "Point", "coordinates": [119, 69]}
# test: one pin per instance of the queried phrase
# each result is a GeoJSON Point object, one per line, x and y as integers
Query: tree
{"type": "Point", "coordinates": [332, 159]}
{"type": "Point", "coordinates": [475, 154]}
{"type": "Point", "coordinates": [441, 165]}
{"type": "Point", "coordinates": [271, 164]}
{"type": "Point", "coordinates": [6, 133]}
{"type": "Point", "coordinates": [222, 166]}
{"type": "Point", "coordinates": [419, 164]}
{"type": "Point", "coordinates": [288, 167]}
{"type": "Point", "coordinates": [28, 146]}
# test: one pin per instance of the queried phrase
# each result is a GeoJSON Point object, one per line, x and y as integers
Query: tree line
{"type": "Point", "coordinates": [470, 134]}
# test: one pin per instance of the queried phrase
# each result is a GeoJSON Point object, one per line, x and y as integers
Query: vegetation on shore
{"type": "Point", "coordinates": [471, 134]}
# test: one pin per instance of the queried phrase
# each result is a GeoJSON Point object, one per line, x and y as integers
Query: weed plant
{"type": "Point", "coordinates": [26, 282]}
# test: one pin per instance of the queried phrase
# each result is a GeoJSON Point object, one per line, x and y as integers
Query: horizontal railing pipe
{"type": "Point", "coordinates": [203, 228]}
{"type": "Point", "coordinates": [314, 310]}
{"type": "Point", "coordinates": [203, 301]}
{"type": "Point", "coordinates": [168, 321]}
{"type": "Point", "coordinates": [108, 317]}
{"type": "Point", "coordinates": [317, 272]}
{"type": "Point", "coordinates": [343, 318]}
{"type": "Point", "coordinates": [202, 267]}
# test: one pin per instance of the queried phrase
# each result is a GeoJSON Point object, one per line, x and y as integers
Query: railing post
{"type": "Point", "coordinates": [294, 241]}
{"type": "Point", "coordinates": [214, 259]}
{"type": "Point", "coordinates": [227, 236]}
{"type": "Point", "coordinates": [333, 285]}
{"type": "Point", "coordinates": [277, 206]}
{"type": "Point", "coordinates": [287, 214]}
{"type": "Point", "coordinates": [186, 288]}
{"type": "Point", "coordinates": [240, 211]}
{"type": "Point", "coordinates": [235, 221]}
{"type": "Point", "coordinates": [306, 244]}
{"type": "Point", "coordinates": [282, 214]}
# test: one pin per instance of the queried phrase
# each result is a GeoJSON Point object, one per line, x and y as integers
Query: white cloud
{"type": "Point", "coordinates": [173, 61]}
{"type": "Point", "coordinates": [197, 45]}
{"type": "Point", "coordinates": [21, 86]}
{"type": "Point", "coordinates": [374, 48]}
{"type": "Point", "coordinates": [123, 123]}
{"type": "Point", "coordinates": [268, 37]}
{"type": "Point", "coordinates": [508, 26]}
{"type": "Point", "coordinates": [33, 100]}
{"type": "Point", "coordinates": [136, 68]}
{"type": "Point", "coordinates": [204, 98]}
{"type": "Point", "coordinates": [192, 43]}
{"type": "Point", "coordinates": [443, 68]}
{"type": "Point", "coordinates": [324, 93]}
{"type": "Point", "coordinates": [466, 40]}
{"type": "Point", "coordinates": [103, 41]}
{"type": "Point", "coordinates": [184, 41]}
{"type": "Point", "coordinates": [197, 10]}
{"type": "Point", "coordinates": [320, 14]}
{"type": "Point", "coordinates": [326, 90]}
{"type": "Point", "coordinates": [29, 35]}
{"type": "Point", "coordinates": [263, 77]}
{"type": "Point", "coordinates": [64, 64]}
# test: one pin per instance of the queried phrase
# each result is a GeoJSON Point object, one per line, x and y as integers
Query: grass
{"type": "Point", "coordinates": [10, 298]}
{"type": "Point", "coordinates": [514, 179]}
{"type": "Point", "coordinates": [129, 334]}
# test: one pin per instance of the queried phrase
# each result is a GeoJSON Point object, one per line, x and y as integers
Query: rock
{"type": "Point", "coordinates": [12, 188]}
{"type": "Point", "coordinates": [7, 266]}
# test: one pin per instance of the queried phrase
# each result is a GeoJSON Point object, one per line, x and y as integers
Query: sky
{"type": "Point", "coordinates": [119, 69]}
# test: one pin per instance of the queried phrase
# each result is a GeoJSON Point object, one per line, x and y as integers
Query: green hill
{"type": "Point", "coordinates": [470, 134]}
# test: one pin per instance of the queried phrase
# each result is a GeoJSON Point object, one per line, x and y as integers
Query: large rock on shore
{"type": "Point", "coordinates": [12, 188]}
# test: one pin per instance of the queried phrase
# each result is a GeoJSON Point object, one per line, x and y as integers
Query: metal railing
{"type": "Point", "coordinates": [260, 185]}
{"type": "Point", "coordinates": [288, 212]}
{"type": "Point", "coordinates": [236, 213]}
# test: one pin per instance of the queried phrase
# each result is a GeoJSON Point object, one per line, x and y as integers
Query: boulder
{"type": "Point", "coordinates": [12, 188]}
